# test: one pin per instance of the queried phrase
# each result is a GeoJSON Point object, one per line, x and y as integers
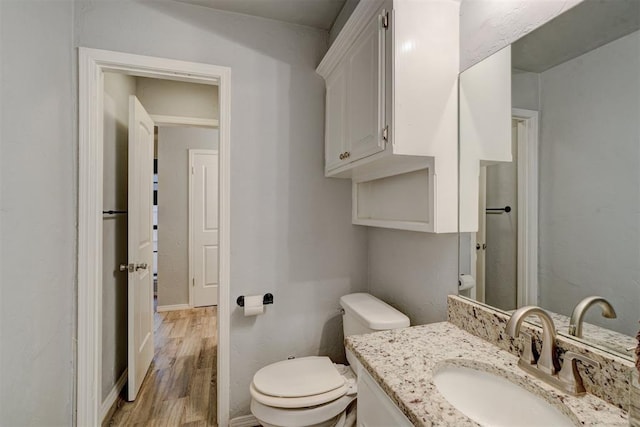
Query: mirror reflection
{"type": "Point", "coordinates": [550, 190]}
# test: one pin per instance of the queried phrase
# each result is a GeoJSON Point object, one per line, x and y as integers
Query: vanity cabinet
{"type": "Point", "coordinates": [391, 113]}
{"type": "Point", "coordinates": [375, 408]}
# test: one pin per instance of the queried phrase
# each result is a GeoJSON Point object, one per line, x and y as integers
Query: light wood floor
{"type": "Point", "coordinates": [180, 387]}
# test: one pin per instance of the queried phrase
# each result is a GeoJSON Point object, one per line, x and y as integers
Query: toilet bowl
{"type": "Point", "coordinates": [312, 391]}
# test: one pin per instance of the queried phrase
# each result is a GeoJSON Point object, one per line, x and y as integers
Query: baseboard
{"type": "Point", "coordinates": [112, 397]}
{"type": "Point", "coordinates": [244, 421]}
{"type": "Point", "coordinates": [173, 307]}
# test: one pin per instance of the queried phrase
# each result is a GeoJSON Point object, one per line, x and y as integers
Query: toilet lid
{"type": "Point", "coordinates": [306, 376]}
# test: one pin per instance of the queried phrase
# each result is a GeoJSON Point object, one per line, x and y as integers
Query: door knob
{"type": "Point", "coordinates": [127, 267]}
{"type": "Point", "coordinates": [142, 266]}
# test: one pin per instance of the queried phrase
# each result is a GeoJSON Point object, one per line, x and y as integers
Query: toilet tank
{"type": "Point", "coordinates": [364, 313]}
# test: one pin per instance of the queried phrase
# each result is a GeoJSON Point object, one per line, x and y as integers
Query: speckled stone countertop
{"type": "Point", "coordinates": [403, 362]}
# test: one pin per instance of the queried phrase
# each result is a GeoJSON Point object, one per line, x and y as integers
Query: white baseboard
{"type": "Point", "coordinates": [113, 394]}
{"type": "Point", "coordinates": [174, 307]}
{"type": "Point", "coordinates": [244, 421]}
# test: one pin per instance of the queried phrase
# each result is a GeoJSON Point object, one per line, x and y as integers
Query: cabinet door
{"type": "Point", "coordinates": [336, 110]}
{"type": "Point", "coordinates": [375, 408]}
{"type": "Point", "coordinates": [365, 92]}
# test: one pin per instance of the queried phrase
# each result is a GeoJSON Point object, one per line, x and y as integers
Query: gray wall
{"type": "Point", "coordinates": [589, 176]}
{"type": "Point", "coordinates": [414, 272]}
{"type": "Point", "coordinates": [174, 98]}
{"type": "Point", "coordinates": [525, 90]}
{"type": "Point", "coordinates": [117, 89]}
{"type": "Point", "coordinates": [173, 208]}
{"type": "Point", "coordinates": [290, 227]}
{"type": "Point", "coordinates": [38, 213]}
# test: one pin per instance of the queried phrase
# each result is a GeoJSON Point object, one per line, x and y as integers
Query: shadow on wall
{"type": "Point", "coordinates": [332, 340]}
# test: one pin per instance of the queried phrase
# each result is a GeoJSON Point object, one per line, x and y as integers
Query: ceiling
{"type": "Point", "coordinates": [312, 13]}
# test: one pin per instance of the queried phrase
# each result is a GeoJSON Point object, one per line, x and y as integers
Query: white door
{"type": "Point", "coordinates": [203, 208]}
{"type": "Point", "coordinates": [140, 244]}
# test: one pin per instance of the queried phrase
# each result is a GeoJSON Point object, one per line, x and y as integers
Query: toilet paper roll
{"type": "Point", "coordinates": [466, 282]}
{"type": "Point", "coordinates": [253, 305]}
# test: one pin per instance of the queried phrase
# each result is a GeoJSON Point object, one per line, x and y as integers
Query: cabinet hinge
{"type": "Point", "coordinates": [193, 170]}
{"type": "Point", "coordinates": [193, 282]}
{"type": "Point", "coordinates": [385, 20]}
{"type": "Point", "coordinates": [385, 133]}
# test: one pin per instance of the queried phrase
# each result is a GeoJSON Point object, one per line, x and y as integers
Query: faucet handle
{"type": "Point", "coordinates": [569, 374]}
{"type": "Point", "coordinates": [529, 354]}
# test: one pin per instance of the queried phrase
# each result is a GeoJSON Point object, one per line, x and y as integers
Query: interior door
{"type": "Point", "coordinates": [203, 205]}
{"type": "Point", "coordinates": [140, 245]}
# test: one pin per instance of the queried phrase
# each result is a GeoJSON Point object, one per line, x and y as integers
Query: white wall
{"type": "Point", "coordinates": [173, 208]}
{"type": "Point", "coordinates": [290, 227]}
{"type": "Point", "coordinates": [117, 88]}
{"type": "Point", "coordinates": [174, 98]}
{"type": "Point", "coordinates": [38, 213]}
{"type": "Point", "coordinates": [589, 178]}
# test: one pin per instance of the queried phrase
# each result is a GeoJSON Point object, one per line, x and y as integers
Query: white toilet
{"type": "Point", "coordinates": [312, 391]}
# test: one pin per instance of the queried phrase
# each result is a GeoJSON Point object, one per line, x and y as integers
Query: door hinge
{"type": "Point", "coordinates": [385, 133]}
{"type": "Point", "coordinates": [385, 20]}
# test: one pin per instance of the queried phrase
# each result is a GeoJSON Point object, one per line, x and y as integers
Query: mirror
{"type": "Point", "coordinates": [550, 173]}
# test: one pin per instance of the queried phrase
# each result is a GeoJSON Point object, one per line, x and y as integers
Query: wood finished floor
{"type": "Point", "coordinates": [180, 386]}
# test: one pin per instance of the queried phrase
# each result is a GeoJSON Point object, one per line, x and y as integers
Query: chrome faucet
{"type": "Point", "coordinates": [546, 365]}
{"type": "Point", "coordinates": [575, 324]}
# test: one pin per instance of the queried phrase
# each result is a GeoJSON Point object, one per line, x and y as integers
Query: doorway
{"type": "Point", "coordinates": [505, 249]}
{"type": "Point", "coordinates": [93, 65]}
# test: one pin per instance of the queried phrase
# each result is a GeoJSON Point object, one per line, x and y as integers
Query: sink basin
{"type": "Point", "coordinates": [492, 400]}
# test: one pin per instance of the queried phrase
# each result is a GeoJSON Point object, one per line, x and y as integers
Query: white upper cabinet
{"type": "Point", "coordinates": [391, 111]}
{"type": "Point", "coordinates": [335, 117]}
{"type": "Point", "coordinates": [365, 85]}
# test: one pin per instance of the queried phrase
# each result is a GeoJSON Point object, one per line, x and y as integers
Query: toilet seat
{"type": "Point", "coordinates": [301, 416]}
{"type": "Point", "coordinates": [299, 383]}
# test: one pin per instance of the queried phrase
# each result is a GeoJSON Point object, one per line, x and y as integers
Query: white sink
{"type": "Point", "coordinates": [492, 400]}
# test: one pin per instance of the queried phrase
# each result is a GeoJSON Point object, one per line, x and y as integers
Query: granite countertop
{"type": "Point", "coordinates": [403, 362]}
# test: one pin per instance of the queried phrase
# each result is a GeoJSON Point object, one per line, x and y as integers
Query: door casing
{"type": "Point", "coordinates": [92, 65]}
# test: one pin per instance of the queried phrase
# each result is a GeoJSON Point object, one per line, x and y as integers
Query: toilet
{"type": "Point", "coordinates": [313, 391]}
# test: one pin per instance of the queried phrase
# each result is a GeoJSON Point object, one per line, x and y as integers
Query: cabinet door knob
{"type": "Point", "coordinates": [341, 156]}
{"type": "Point", "coordinates": [347, 154]}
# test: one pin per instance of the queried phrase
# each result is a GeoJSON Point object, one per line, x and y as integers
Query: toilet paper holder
{"type": "Point", "coordinates": [266, 299]}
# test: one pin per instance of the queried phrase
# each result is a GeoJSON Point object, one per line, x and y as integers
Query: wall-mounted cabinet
{"type": "Point", "coordinates": [391, 110]}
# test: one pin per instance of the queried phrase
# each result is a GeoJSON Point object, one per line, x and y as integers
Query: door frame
{"type": "Point", "coordinates": [527, 264]}
{"type": "Point", "coordinates": [92, 65]}
{"type": "Point", "coordinates": [193, 152]}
